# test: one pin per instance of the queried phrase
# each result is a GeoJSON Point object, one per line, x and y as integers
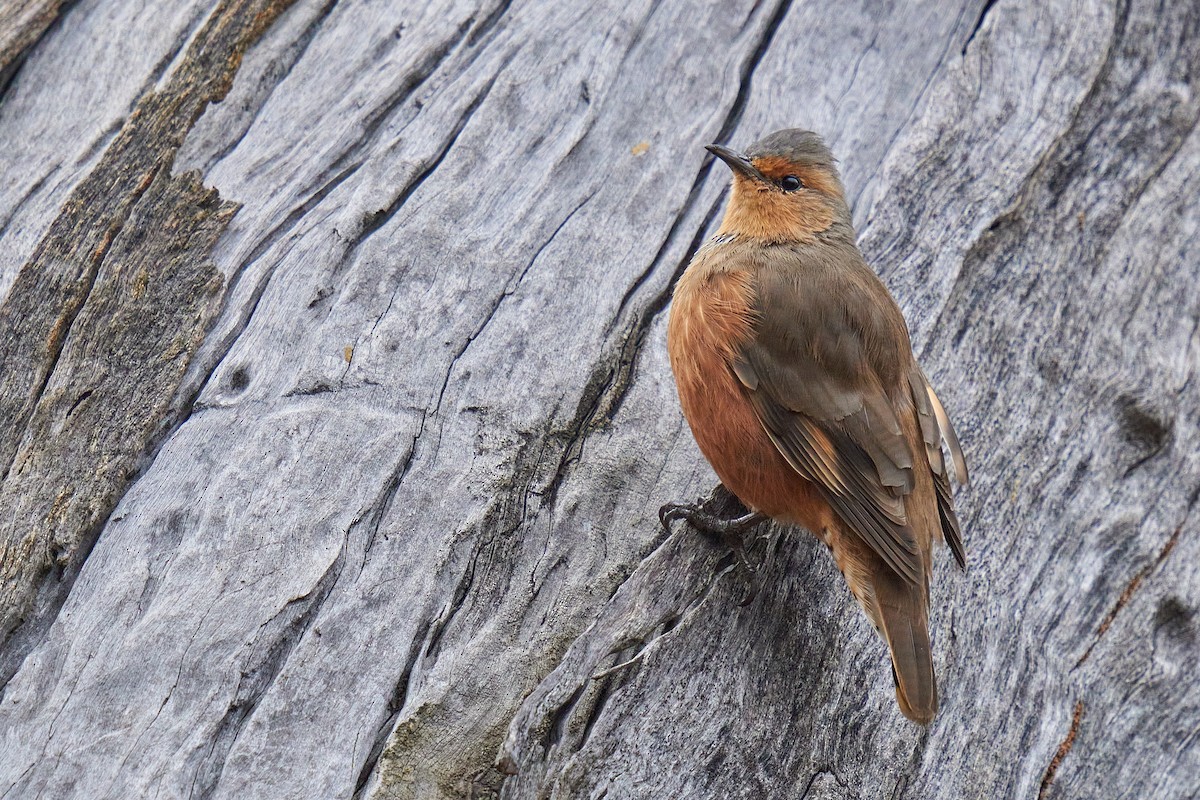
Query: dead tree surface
{"type": "Point", "coordinates": [335, 412]}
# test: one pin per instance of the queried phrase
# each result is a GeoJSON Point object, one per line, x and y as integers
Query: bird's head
{"type": "Point", "coordinates": [785, 188]}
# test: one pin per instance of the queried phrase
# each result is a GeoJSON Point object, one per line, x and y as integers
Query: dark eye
{"type": "Point", "coordinates": [791, 183]}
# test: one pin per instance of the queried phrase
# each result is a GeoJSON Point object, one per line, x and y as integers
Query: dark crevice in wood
{"type": "Point", "coordinates": [918, 106]}
{"type": "Point", "coordinates": [281, 634]}
{"type": "Point", "coordinates": [557, 728]}
{"type": "Point", "coordinates": [644, 22]}
{"type": "Point", "coordinates": [96, 146]}
{"type": "Point", "coordinates": [1063, 749]}
{"type": "Point", "coordinates": [200, 18]}
{"type": "Point", "coordinates": [663, 297]}
{"type": "Point", "coordinates": [746, 82]}
{"type": "Point", "coordinates": [16, 43]}
{"type": "Point", "coordinates": [829, 771]}
{"type": "Point", "coordinates": [373, 222]}
{"type": "Point", "coordinates": [1095, 124]}
{"type": "Point", "coordinates": [1064, 155]}
{"type": "Point", "coordinates": [373, 123]}
{"type": "Point", "coordinates": [732, 118]}
{"type": "Point", "coordinates": [192, 406]}
{"type": "Point", "coordinates": [1167, 159]}
{"type": "Point", "coordinates": [370, 520]}
{"type": "Point", "coordinates": [503, 521]}
{"type": "Point", "coordinates": [508, 291]}
{"type": "Point", "coordinates": [428, 636]}
{"type": "Point", "coordinates": [387, 495]}
{"type": "Point", "coordinates": [611, 378]}
{"type": "Point", "coordinates": [465, 582]}
{"type": "Point", "coordinates": [488, 25]}
{"type": "Point", "coordinates": [983, 12]}
{"type": "Point", "coordinates": [288, 223]}
{"type": "Point", "coordinates": [78, 402]}
{"type": "Point", "coordinates": [396, 703]}
{"type": "Point", "coordinates": [595, 709]}
{"type": "Point", "coordinates": [1078, 473]}
{"type": "Point", "coordinates": [30, 192]}
{"type": "Point", "coordinates": [870, 47]}
{"type": "Point", "coordinates": [627, 653]}
{"type": "Point", "coordinates": [296, 51]}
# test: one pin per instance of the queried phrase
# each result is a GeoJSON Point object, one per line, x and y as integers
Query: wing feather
{"type": "Point", "coordinates": [846, 476]}
{"type": "Point", "coordinates": [813, 372]}
{"type": "Point", "coordinates": [933, 433]}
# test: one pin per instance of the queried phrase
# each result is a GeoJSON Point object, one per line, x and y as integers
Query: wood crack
{"type": "Point", "coordinates": [23, 23]}
{"type": "Point", "coordinates": [274, 235]}
{"type": "Point", "coordinates": [1063, 749]}
{"type": "Point", "coordinates": [373, 222]}
{"type": "Point", "coordinates": [508, 291]}
{"type": "Point", "coordinates": [421, 73]}
{"type": "Point", "coordinates": [488, 25]}
{"type": "Point", "coordinates": [282, 633]}
{"type": "Point", "coordinates": [296, 52]}
{"type": "Point", "coordinates": [983, 12]}
{"type": "Point", "coordinates": [1136, 582]}
{"type": "Point", "coordinates": [396, 702]}
{"type": "Point", "coordinates": [611, 378]}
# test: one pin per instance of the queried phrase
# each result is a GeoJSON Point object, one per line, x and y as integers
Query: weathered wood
{"type": "Point", "coordinates": [407, 529]}
{"type": "Point", "coordinates": [104, 320]}
{"type": "Point", "coordinates": [22, 23]}
{"type": "Point", "coordinates": [92, 427]}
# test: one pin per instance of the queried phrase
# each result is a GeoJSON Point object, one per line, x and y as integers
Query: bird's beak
{"type": "Point", "coordinates": [736, 161]}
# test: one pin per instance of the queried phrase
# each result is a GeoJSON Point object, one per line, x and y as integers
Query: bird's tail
{"type": "Point", "coordinates": [903, 619]}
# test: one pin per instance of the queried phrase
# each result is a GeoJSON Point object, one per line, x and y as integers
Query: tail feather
{"type": "Point", "coordinates": [904, 622]}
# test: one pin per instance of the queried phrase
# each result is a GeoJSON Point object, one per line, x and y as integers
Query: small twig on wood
{"type": "Point", "coordinates": [618, 667]}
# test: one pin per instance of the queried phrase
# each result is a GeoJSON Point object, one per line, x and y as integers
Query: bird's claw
{"type": "Point", "coordinates": [706, 517]}
{"type": "Point", "coordinates": [673, 511]}
{"type": "Point", "coordinates": [705, 521]}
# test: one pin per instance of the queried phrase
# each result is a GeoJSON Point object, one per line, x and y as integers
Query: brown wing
{"type": "Point", "coordinates": [935, 426]}
{"type": "Point", "coordinates": [812, 374]}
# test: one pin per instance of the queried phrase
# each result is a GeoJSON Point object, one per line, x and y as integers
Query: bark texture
{"type": "Point", "coordinates": [335, 412]}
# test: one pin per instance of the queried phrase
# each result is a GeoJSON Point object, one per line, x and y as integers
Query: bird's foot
{"type": "Point", "coordinates": [706, 522]}
{"type": "Point", "coordinates": [723, 516]}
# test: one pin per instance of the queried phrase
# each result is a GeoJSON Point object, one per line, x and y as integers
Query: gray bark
{"type": "Point", "coordinates": [335, 412]}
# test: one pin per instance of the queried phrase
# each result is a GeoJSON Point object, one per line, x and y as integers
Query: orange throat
{"type": "Point", "coordinates": [760, 212]}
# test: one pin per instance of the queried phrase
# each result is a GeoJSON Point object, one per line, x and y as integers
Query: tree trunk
{"type": "Point", "coordinates": [335, 412]}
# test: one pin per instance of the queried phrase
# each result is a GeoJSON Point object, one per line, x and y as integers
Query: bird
{"type": "Point", "coordinates": [796, 375]}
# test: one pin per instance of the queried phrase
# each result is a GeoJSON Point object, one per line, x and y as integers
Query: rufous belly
{"type": "Point", "coordinates": [703, 332]}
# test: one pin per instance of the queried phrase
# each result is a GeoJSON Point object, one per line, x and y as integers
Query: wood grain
{"type": "Point", "coordinates": [22, 23]}
{"type": "Point", "coordinates": [384, 523]}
